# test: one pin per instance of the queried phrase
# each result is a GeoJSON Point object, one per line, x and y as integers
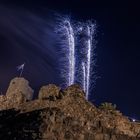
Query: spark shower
{"type": "Point", "coordinates": [77, 41]}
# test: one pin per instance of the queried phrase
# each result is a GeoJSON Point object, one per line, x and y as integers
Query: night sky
{"type": "Point", "coordinates": [26, 35]}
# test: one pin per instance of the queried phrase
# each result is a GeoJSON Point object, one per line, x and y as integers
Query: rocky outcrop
{"type": "Point", "coordinates": [18, 93]}
{"type": "Point", "coordinates": [20, 86]}
{"type": "Point", "coordinates": [63, 115]}
{"type": "Point", "coordinates": [50, 91]}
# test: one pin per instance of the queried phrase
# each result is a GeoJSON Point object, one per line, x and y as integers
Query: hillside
{"type": "Point", "coordinates": [59, 115]}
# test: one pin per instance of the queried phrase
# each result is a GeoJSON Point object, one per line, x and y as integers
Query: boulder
{"type": "Point", "coordinates": [3, 100]}
{"type": "Point", "coordinates": [19, 89]}
{"type": "Point", "coordinates": [50, 91]}
{"type": "Point", "coordinates": [74, 90]}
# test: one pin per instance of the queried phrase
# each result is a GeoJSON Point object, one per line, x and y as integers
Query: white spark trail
{"type": "Point", "coordinates": [89, 46]}
{"type": "Point", "coordinates": [78, 64]}
{"type": "Point", "coordinates": [71, 55]}
{"type": "Point", "coordinates": [84, 75]}
{"type": "Point", "coordinates": [67, 43]}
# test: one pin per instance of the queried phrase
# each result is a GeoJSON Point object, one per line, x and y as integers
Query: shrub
{"type": "Point", "coordinates": [108, 106]}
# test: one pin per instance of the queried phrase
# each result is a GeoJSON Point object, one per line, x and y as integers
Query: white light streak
{"type": "Point", "coordinates": [84, 75]}
{"type": "Point", "coordinates": [88, 60]}
{"type": "Point", "coordinates": [77, 35]}
{"type": "Point", "coordinates": [67, 43]}
{"type": "Point", "coordinates": [89, 46]}
{"type": "Point", "coordinates": [71, 55]}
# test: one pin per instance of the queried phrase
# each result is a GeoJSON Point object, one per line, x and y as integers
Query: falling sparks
{"type": "Point", "coordinates": [84, 75]}
{"type": "Point", "coordinates": [71, 48]}
{"type": "Point", "coordinates": [90, 48]}
{"type": "Point", "coordinates": [69, 34]}
{"type": "Point", "coordinates": [66, 31]}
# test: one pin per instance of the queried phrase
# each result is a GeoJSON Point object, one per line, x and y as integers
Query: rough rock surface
{"type": "Point", "coordinates": [18, 92]}
{"type": "Point", "coordinates": [20, 86]}
{"type": "Point", "coordinates": [67, 117]}
{"type": "Point", "coordinates": [50, 91]}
